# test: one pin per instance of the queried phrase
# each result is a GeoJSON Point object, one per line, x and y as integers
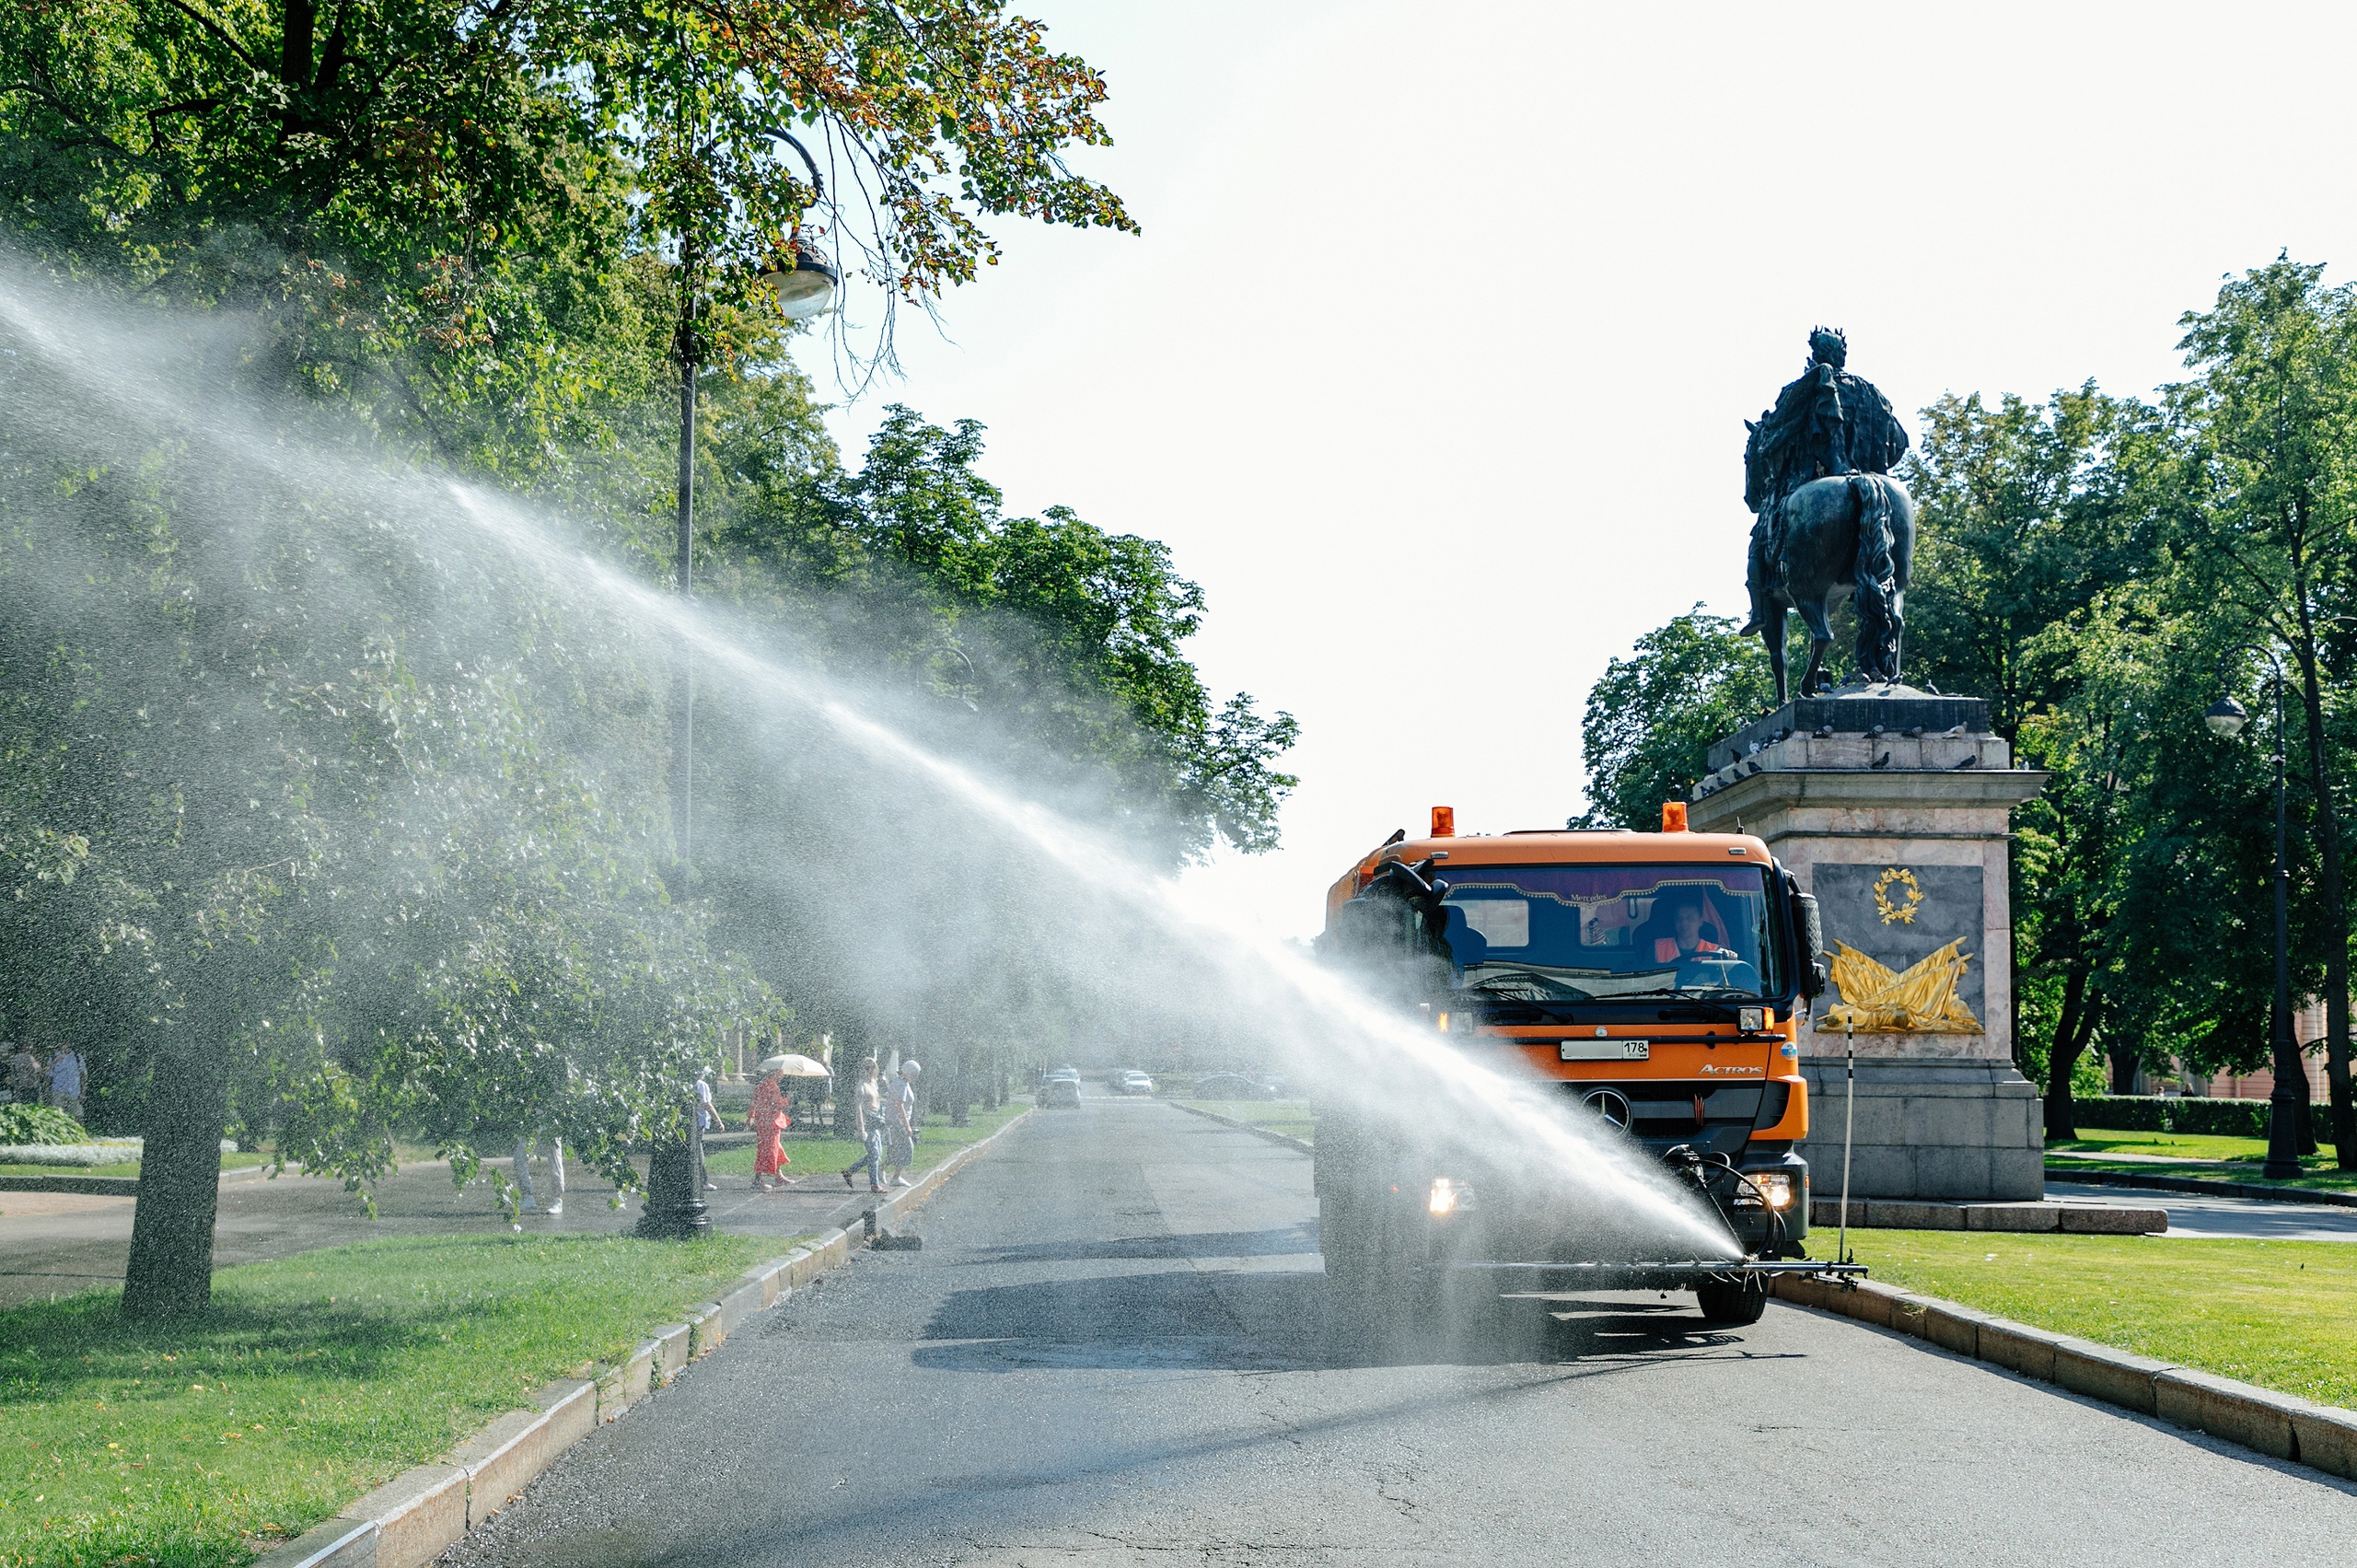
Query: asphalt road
{"type": "Point", "coordinates": [1115, 1348]}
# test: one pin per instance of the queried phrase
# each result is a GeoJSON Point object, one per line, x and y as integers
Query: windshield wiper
{"type": "Point", "coordinates": [1684, 991]}
{"type": "Point", "coordinates": [1552, 991]}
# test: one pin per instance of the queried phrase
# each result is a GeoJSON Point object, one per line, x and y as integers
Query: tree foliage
{"type": "Point", "coordinates": [1650, 722]}
{"type": "Point", "coordinates": [2101, 570]}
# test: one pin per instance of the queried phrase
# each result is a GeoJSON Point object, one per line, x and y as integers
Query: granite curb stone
{"type": "Point", "coordinates": [2281, 1427]}
{"type": "Point", "coordinates": [500, 1458]}
{"type": "Point", "coordinates": [2032, 1218]}
{"type": "Point", "coordinates": [419, 1515]}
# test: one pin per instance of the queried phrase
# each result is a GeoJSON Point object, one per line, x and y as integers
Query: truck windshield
{"type": "Point", "coordinates": [1574, 933]}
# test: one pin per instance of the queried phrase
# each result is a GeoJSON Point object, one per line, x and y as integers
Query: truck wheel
{"type": "Point", "coordinates": [1338, 1239]}
{"type": "Point", "coordinates": [1733, 1302]}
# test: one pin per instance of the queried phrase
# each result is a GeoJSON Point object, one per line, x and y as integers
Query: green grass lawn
{"type": "Point", "coordinates": [2242, 1157]}
{"type": "Point", "coordinates": [1287, 1116]}
{"type": "Point", "coordinates": [822, 1157]}
{"type": "Point", "coordinates": [313, 1379]}
{"type": "Point", "coordinates": [2281, 1314]}
{"type": "Point", "coordinates": [128, 1167]}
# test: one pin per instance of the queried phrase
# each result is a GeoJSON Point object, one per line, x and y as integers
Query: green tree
{"type": "Point", "coordinates": [1651, 720]}
{"type": "Point", "coordinates": [2266, 463]}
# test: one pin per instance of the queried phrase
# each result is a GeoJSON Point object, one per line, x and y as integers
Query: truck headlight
{"type": "Point", "coordinates": [1447, 1196]}
{"type": "Point", "coordinates": [1777, 1188]}
{"type": "Point", "coordinates": [1751, 1020]}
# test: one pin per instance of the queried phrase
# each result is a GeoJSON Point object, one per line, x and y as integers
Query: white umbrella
{"type": "Point", "coordinates": [793, 1066]}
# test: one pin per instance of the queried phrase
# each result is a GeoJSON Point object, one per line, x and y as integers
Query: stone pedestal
{"type": "Point", "coordinates": [1891, 805]}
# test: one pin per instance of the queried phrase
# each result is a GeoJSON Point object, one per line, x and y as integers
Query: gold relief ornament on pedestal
{"type": "Point", "coordinates": [1920, 1000]}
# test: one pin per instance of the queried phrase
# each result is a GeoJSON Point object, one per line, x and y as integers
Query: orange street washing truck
{"type": "Point", "coordinates": [1653, 980]}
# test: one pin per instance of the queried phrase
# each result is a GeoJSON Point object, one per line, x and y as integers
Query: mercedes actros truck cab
{"type": "Point", "coordinates": [1655, 983]}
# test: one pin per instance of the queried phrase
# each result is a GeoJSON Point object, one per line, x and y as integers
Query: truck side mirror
{"type": "Point", "coordinates": [1810, 927]}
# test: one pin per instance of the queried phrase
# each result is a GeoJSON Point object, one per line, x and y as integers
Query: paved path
{"type": "Point", "coordinates": [1115, 1349]}
{"type": "Point", "coordinates": [2195, 1214]}
{"type": "Point", "coordinates": [56, 1243]}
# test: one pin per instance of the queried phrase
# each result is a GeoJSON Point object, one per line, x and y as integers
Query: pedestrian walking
{"type": "Point", "coordinates": [707, 1117]}
{"type": "Point", "coordinates": [24, 1078]}
{"type": "Point", "coordinates": [65, 1075]}
{"type": "Point", "coordinates": [900, 1126]}
{"type": "Point", "coordinates": [768, 1120]}
{"type": "Point", "coordinates": [527, 1146]}
{"type": "Point", "coordinates": [867, 1120]}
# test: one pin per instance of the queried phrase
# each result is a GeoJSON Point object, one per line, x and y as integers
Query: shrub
{"type": "Point", "coordinates": [2148, 1113]}
{"type": "Point", "coordinates": [39, 1124]}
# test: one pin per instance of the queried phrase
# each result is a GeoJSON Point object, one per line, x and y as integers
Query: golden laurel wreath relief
{"type": "Point", "coordinates": [1921, 999]}
{"type": "Point", "coordinates": [1902, 909]}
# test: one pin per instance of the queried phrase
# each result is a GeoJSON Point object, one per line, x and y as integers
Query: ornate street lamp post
{"type": "Point", "coordinates": [2227, 717]}
{"type": "Point", "coordinates": [804, 285]}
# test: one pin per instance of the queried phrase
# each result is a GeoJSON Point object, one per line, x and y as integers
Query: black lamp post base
{"type": "Point", "coordinates": [675, 1207]}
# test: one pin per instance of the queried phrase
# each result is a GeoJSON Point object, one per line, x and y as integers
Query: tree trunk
{"type": "Point", "coordinates": [2061, 1118]}
{"type": "Point", "coordinates": [170, 1272]}
{"type": "Point", "coordinates": [2336, 948]}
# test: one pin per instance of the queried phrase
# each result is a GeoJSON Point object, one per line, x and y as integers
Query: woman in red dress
{"type": "Point", "coordinates": [769, 1119]}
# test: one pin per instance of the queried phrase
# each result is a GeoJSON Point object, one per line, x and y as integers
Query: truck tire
{"type": "Point", "coordinates": [1338, 1241]}
{"type": "Point", "coordinates": [1735, 1303]}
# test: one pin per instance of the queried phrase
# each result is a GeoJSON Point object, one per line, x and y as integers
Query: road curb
{"type": "Point", "coordinates": [2281, 1427]}
{"type": "Point", "coordinates": [421, 1513]}
{"type": "Point", "coordinates": [2270, 1191]}
{"type": "Point", "coordinates": [1302, 1146]}
{"type": "Point", "coordinates": [2040, 1218]}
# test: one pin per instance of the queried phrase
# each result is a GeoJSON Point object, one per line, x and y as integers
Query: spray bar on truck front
{"type": "Point", "coordinates": [1662, 1276]}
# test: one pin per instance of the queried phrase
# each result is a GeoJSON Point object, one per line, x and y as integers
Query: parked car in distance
{"type": "Point", "coordinates": [1227, 1086]}
{"type": "Point", "coordinates": [1060, 1091]}
{"type": "Point", "coordinates": [1134, 1083]}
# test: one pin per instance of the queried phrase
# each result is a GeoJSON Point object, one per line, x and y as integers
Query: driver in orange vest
{"type": "Point", "coordinates": [1689, 942]}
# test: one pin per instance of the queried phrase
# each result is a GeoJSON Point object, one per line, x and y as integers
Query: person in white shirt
{"type": "Point", "coordinates": [867, 1120]}
{"type": "Point", "coordinates": [66, 1075]}
{"type": "Point", "coordinates": [901, 1125]}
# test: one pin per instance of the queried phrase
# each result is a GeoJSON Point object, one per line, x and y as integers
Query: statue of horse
{"type": "Point", "coordinates": [1846, 534]}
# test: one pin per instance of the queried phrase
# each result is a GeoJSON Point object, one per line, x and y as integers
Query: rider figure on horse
{"type": "Point", "coordinates": [1826, 423]}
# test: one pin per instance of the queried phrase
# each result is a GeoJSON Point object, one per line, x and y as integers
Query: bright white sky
{"type": "Point", "coordinates": [1431, 363]}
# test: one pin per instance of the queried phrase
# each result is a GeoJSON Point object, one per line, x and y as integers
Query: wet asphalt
{"type": "Point", "coordinates": [1115, 1348]}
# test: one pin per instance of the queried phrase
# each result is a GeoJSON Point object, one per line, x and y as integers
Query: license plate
{"type": "Point", "coordinates": [1607, 1050]}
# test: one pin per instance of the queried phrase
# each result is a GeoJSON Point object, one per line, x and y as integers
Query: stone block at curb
{"type": "Point", "coordinates": [571, 1404]}
{"type": "Point", "coordinates": [672, 1351]}
{"type": "Point", "coordinates": [2256, 1418]}
{"type": "Point", "coordinates": [1870, 1303]}
{"type": "Point", "coordinates": [706, 1328]}
{"type": "Point", "coordinates": [770, 1280]}
{"type": "Point", "coordinates": [1802, 1291]}
{"type": "Point", "coordinates": [501, 1459]}
{"type": "Point", "coordinates": [1908, 1314]}
{"type": "Point", "coordinates": [2034, 1218]}
{"type": "Point", "coordinates": [1897, 1215]}
{"type": "Point", "coordinates": [2116, 1376]}
{"type": "Point", "coordinates": [624, 1385]}
{"type": "Point", "coordinates": [738, 1307]}
{"type": "Point", "coordinates": [2112, 1220]}
{"type": "Point", "coordinates": [419, 1515]}
{"type": "Point", "coordinates": [2328, 1439]}
{"type": "Point", "coordinates": [2019, 1348]}
{"type": "Point", "coordinates": [337, 1543]}
{"type": "Point", "coordinates": [1951, 1328]}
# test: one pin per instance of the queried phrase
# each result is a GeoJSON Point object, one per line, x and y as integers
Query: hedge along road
{"type": "Point", "coordinates": [1114, 1348]}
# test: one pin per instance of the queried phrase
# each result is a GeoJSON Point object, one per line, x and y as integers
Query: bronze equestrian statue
{"type": "Point", "coordinates": [1830, 521]}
